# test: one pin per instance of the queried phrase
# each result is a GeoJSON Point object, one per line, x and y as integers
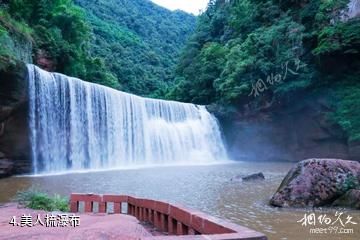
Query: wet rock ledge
{"type": "Point", "coordinates": [14, 132]}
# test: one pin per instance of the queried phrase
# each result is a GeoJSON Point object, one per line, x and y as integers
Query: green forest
{"type": "Point", "coordinates": [267, 53]}
{"type": "Point", "coordinates": [128, 45]}
{"type": "Point", "coordinates": [251, 54]}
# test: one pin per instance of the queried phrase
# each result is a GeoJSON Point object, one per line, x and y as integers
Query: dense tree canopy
{"type": "Point", "coordinates": [139, 41]}
{"type": "Point", "coordinates": [244, 54]}
{"type": "Point", "coordinates": [128, 45]}
{"type": "Point", "coordinates": [59, 32]}
{"type": "Point", "coordinates": [260, 52]}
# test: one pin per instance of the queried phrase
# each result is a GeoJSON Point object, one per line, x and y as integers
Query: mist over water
{"type": "Point", "coordinates": [76, 125]}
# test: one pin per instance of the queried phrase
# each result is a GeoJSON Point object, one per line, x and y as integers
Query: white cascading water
{"type": "Point", "coordinates": [76, 125]}
{"type": "Point", "coordinates": [352, 11]}
{"type": "Point", "coordinates": [354, 8]}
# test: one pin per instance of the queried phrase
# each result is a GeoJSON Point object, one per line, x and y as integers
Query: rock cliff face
{"type": "Point", "coordinates": [294, 132]}
{"type": "Point", "coordinates": [14, 133]}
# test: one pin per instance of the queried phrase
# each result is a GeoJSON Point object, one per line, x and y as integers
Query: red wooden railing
{"type": "Point", "coordinates": [168, 218]}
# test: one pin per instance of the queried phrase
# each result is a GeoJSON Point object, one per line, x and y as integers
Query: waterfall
{"type": "Point", "coordinates": [352, 11]}
{"type": "Point", "coordinates": [354, 8]}
{"type": "Point", "coordinates": [76, 125]}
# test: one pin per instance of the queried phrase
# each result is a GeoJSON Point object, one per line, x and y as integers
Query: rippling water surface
{"type": "Point", "coordinates": [207, 188]}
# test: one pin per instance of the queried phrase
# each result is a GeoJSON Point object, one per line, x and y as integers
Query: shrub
{"type": "Point", "coordinates": [35, 199]}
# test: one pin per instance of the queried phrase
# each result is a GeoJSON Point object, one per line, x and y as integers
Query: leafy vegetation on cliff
{"type": "Point", "coordinates": [58, 35]}
{"type": "Point", "coordinates": [245, 55]}
{"type": "Point", "coordinates": [139, 41]}
{"type": "Point", "coordinates": [347, 113]}
{"type": "Point", "coordinates": [128, 45]}
{"type": "Point", "coordinates": [256, 54]}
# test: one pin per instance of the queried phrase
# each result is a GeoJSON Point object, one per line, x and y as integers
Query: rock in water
{"type": "Point", "coordinates": [350, 199]}
{"type": "Point", "coordinates": [254, 177]}
{"type": "Point", "coordinates": [317, 182]}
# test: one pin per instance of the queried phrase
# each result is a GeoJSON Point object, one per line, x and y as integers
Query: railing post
{"type": "Point", "coordinates": [117, 207]}
{"type": "Point", "coordinates": [102, 207]}
{"type": "Point", "coordinates": [88, 206]}
{"type": "Point", "coordinates": [141, 214]}
{"type": "Point", "coordinates": [133, 210]}
{"type": "Point", "coordinates": [163, 222]}
{"type": "Point", "coordinates": [74, 206]}
{"type": "Point", "coordinates": [145, 214]}
{"type": "Point", "coordinates": [171, 226]}
{"type": "Point", "coordinates": [181, 229]}
{"type": "Point", "coordinates": [144, 211]}
{"type": "Point", "coordinates": [157, 219]}
{"type": "Point", "coordinates": [151, 216]}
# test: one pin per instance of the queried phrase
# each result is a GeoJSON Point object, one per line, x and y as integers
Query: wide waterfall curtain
{"type": "Point", "coordinates": [79, 125]}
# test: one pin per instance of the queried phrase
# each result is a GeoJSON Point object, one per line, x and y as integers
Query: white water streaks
{"type": "Point", "coordinates": [76, 125]}
{"type": "Point", "coordinates": [354, 8]}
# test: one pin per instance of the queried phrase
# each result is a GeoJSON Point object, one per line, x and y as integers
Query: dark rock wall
{"type": "Point", "coordinates": [287, 133]}
{"type": "Point", "coordinates": [14, 132]}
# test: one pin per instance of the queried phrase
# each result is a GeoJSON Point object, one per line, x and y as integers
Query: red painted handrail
{"type": "Point", "coordinates": [167, 218]}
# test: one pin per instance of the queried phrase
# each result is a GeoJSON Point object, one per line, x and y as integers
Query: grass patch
{"type": "Point", "coordinates": [35, 199]}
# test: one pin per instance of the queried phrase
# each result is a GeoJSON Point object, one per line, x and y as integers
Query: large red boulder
{"type": "Point", "coordinates": [317, 182]}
